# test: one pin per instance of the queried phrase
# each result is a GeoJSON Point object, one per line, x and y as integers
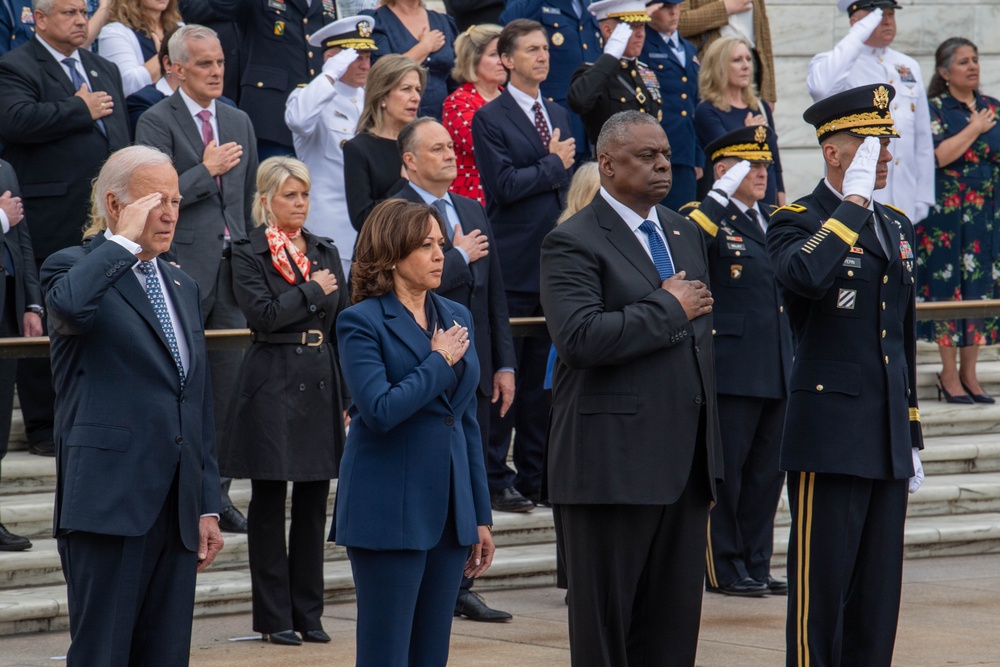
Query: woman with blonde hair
{"type": "Point", "coordinates": [728, 102]}
{"type": "Point", "coordinates": [481, 75]}
{"type": "Point", "coordinates": [287, 424]}
{"type": "Point", "coordinates": [372, 163]}
{"type": "Point", "coordinates": [132, 36]}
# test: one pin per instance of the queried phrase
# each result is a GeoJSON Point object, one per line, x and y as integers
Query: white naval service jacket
{"type": "Point", "coordinates": [322, 116]}
{"type": "Point", "coordinates": [911, 173]}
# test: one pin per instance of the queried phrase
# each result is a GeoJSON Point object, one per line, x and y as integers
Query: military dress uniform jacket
{"type": "Point", "coordinates": [279, 57]}
{"type": "Point", "coordinates": [17, 24]}
{"type": "Point", "coordinates": [679, 96]}
{"type": "Point", "coordinates": [601, 89]}
{"type": "Point", "coordinates": [852, 64]}
{"type": "Point", "coordinates": [852, 407]}
{"type": "Point", "coordinates": [323, 117]}
{"type": "Point", "coordinates": [753, 339]}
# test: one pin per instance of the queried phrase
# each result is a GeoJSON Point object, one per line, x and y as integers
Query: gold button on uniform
{"type": "Point", "coordinates": [304, 21]}
{"type": "Point", "coordinates": [883, 305]}
{"type": "Point", "coordinates": [684, 79]}
{"type": "Point", "coordinates": [737, 253]}
{"type": "Point", "coordinates": [584, 47]}
{"type": "Point", "coordinates": [819, 387]}
{"type": "Point", "coordinates": [883, 333]}
{"type": "Point", "coordinates": [850, 274]}
{"type": "Point", "coordinates": [260, 84]}
{"type": "Point", "coordinates": [684, 112]}
{"type": "Point", "coordinates": [310, 54]}
{"type": "Point", "coordinates": [886, 359]}
{"type": "Point", "coordinates": [661, 66]}
{"type": "Point", "coordinates": [885, 279]}
{"type": "Point", "coordinates": [312, 72]}
{"type": "Point", "coordinates": [684, 96]}
{"type": "Point", "coordinates": [623, 100]}
{"type": "Point", "coordinates": [781, 309]}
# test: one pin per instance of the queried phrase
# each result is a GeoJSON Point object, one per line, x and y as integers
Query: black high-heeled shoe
{"type": "Point", "coordinates": [978, 398]}
{"type": "Point", "coordinates": [964, 399]}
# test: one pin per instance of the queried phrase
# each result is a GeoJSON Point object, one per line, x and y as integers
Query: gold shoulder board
{"type": "Point", "coordinates": [901, 212]}
{"type": "Point", "coordinates": [794, 208]}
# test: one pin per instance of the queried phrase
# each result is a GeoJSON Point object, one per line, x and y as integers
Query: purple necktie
{"type": "Point", "coordinates": [541, 125]}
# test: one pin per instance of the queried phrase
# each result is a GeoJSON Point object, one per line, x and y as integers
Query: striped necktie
{"type": "Point", "coordinates": [661, 258]}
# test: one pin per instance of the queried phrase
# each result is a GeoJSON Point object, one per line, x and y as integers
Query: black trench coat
{"type": "Point", "coordinates": [287, 420]}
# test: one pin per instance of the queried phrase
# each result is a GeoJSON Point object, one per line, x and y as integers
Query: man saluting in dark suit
{"type": "Point", "coordinates": [471, 276]}
{"type": "Point", "coordinates": [524, 151]}
{"type": "Point", "coordinates": [137, 487]}
{"type": "Point", "coordinates": [634, 448]}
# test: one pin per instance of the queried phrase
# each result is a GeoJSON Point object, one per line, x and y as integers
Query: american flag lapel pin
{"type": "Point", "coordinates": [676, 233]}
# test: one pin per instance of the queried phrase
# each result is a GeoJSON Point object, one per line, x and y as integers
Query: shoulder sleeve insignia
{"type": "Point", "coordinates": [794, 208]}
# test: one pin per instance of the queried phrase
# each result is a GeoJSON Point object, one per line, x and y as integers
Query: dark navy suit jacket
{"type": "Point", "coordinates": [679, 96]}
{"type": "Point", "coordinates": [124, 428]}
{"type": "Point", "coordinates": [414, 446]}
{"type": "Point", "coordinates": [525, 185]}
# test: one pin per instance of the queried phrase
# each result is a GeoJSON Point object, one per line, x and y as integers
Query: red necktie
{"type": "Point", "coordinates": [541, 125]}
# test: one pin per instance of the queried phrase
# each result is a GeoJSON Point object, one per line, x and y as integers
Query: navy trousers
{"type": "Point", "coordinates": [131, 599]}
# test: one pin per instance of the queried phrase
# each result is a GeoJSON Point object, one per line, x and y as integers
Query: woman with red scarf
{"type": "Point", "coordinates": [288, 421]}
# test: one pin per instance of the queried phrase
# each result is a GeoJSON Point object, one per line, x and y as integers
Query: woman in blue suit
{"type": "Point", "coordinates": [413, 508]}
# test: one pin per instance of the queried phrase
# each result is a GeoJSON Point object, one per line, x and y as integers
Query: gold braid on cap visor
{"type": "Point", "coordinates": [871, 122]}
{"type": "Point", "coordinates": [751, 152]}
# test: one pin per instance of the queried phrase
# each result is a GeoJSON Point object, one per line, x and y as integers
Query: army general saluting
{"type": "Point", "coordinates": [852, 429]}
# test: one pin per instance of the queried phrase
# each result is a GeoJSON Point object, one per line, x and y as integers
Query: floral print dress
{"type": "Point", "coordinates": [958, 244]}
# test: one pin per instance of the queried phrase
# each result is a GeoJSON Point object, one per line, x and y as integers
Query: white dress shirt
{"type": "Point", "coordinates": [194, 109]}
{"type": "Point", "coordinates": [526, 102]}
{"type": "Point", "coordinates": [633, 220]}
{"type": "Point", "coordinates": [60, 57]}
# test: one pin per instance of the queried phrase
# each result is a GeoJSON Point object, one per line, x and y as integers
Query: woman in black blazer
{"type": "Point", "coordinates": [372, 162]}
{"type": "Point", "coordinates": [288, 420]}
{"type": "Point", "coordinates": [413, 508]}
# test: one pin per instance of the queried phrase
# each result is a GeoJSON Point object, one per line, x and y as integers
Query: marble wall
{"type": "Point", "coordinates": [802, 28]}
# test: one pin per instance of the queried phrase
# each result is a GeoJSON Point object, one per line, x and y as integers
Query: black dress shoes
{"type": "Point", "coordinates": [231, 520]}
{"type": "Point", "coordinates": [774, 586]}
{"type": "Point", "coordinates": [11, 542]}
{"type": "Point", "coordinates": [747, 588]}
{"type": "Point", "coordinates": [474, 608]}
{"type": "Point", "coordinates": [285, 638]}
{"type": "Point", "coordinates": [316, 636]}
{"type": "Point", "coordinates": [510, 500]}
{"type": "Point", "coordinates": [43, 448]}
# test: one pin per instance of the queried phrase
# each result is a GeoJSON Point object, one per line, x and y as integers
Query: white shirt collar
{"type": "Point", "coordinates": [428, 197]}
{"type": "Point", "coordinates": [55, 54]}
{"type": "Point", "coordinates": [193, 107]}
{"type": "Point", "coordinates": [162, 86]}
{"type": "Point", "coordinates": [743, 207]}
{"type": "Point", "coordinates": [524, 100]}
{"type": "Point", "coordinates": [631, 218]}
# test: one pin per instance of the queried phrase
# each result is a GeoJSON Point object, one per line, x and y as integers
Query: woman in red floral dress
{"type": "Point", "coordinates": [959, 242]}
{"type": "Point", "coordinates": [478, 69]}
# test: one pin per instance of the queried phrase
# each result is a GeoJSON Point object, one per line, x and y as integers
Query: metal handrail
{"type": "Point", "coordinates": [226, 339]}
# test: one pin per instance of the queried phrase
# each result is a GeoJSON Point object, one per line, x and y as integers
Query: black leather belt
{"type": "Point", "coordinates": [311, 338]}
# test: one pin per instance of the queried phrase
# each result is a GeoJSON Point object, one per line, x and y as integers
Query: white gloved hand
{"type": "Point", "coordinates": [730, 181]}
{"type": "Point", "coordinates": [860, 176]}
{"type": "Point", "coordinates": [337, 65]}
{"type": "Point", "coordinates": [864, 28]}
{"type": "Point", "coordinates": [618, 40]}
{"type": "Point", "coordinates": [918, 472]}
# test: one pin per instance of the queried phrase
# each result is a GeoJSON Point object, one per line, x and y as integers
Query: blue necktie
{"type": "Point", "coordinates": [661, 258]}
{"type": "Point", "coordinates": [442, 207]}
{"type": "Point", "coordinates": [160, 308]}
{"type": "Point", "coordinates": [77, 81]}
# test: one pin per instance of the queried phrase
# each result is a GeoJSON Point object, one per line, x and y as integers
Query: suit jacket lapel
{"type": "Point", "coordinates": [520, 121]}
{"type": "Point", "coordinates": [890, 233]}
{"type": "Point", "coordinates": [743, 224]}
{"type": "Point", "coordinates": [52, 68]}
{"type": "Point", "coordinates": [187, 123]}
{"type": "Point", "coordinates": [399, 322]}
{"type": "Point", "coordinates": [469, 380]}
{"type": "Point", "coordinates": [624, 240]}
{"type": "Point", "coordinates": [135, 294]}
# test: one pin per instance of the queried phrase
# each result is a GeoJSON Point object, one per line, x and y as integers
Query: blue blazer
{"type": "Point", "coordinates": [124, 428]}
{"type": "Point", "coordinates": [410, 447]}
{"type": "Point", "coordinates": [679, 93]}
{"type": "Point", "coordinates": [525, 185]}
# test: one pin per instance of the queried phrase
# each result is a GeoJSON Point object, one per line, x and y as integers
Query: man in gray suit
{"type": "Point", "coordinates": [214, 151]}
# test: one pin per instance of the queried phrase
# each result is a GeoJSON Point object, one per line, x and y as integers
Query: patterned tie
{"type": "Point", "coordinates": [541, 125]}
{"type": "Point", "coordinates": [208, 134]}
{"type": "Point", "coordinates": [77, 81]}
{"type": "Point", "coordinates": [159, 304]}
{"type": "Point", "coordinates": [442, 207]}
{"type": "Point", "coordinates": [661, 258]}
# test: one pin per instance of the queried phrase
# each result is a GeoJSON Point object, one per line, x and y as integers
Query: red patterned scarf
{"type": "Point", "coordinates": [282, 249]}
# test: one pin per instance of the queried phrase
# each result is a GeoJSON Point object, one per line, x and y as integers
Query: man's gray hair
{"type": "Point", "coordinates": [116, 174]}
{"type": "Point", "coordinates": [43, 6]}
{"type": "Point", "coordinates": [407, 139]}
{"type": "Point", "coordinates": [178, 47]}
{"type": "Point", "coordinates": [616, 129]}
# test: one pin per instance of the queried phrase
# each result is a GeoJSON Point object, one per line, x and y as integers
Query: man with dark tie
{"type": "Point", "coordinates": [213, 149]}
{"type": "Point", "coordinates": [525, 151]}
{"type": "Point", "coordinates": [471, 276]}
{"type": "Point", "coordinates": [634, 449]}
{"type": "Point", "coordinates": [137, 482]}
{"type": "Point", "coordinates": [753, 359]}
{"type": "Point", "coordinates": [618, 80]}
{"type": "Point", "coordinates": [62, 112]}
{"type": "Point", "coordinates": [852, 430]}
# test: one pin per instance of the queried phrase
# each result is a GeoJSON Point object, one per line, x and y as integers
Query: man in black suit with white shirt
{"type": "Point", "coordinates": [634, 451]}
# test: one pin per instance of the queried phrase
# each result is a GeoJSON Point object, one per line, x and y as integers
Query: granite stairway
{"type": "Point", "coordinates": [956, 512]}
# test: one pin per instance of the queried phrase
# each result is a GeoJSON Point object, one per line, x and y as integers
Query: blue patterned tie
{"type": "Point", "coordinates": [77, 80]}
{"type": "Point", "coordinates": [658, 250]}
{"type": "Point", "coordinates": [160, 307]}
